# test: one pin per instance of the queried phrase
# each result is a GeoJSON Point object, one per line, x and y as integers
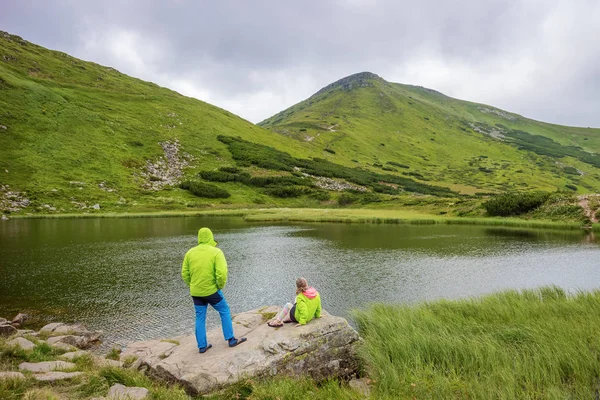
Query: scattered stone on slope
{"type": "Point", "coordinates": [22, 343]}
{"type": "Point", "coordinates": [584, 201]}
{"type": "Point", "coordinates": [56, 376]}
{"type": "Point", "coordinates": [492, 131]}
{"type": "Point", "coordinates": [500, 113]}
{"type": "Point", "coordinates": [321, 349]}
{"type": "Point", "coordinates": [121, 392]}
{"type": "Point", "coordinates": [12, 201]}
{"type": "Point", "coordinates": [45, 366]}
{"type": "Point", "coordinates": [167, 170]}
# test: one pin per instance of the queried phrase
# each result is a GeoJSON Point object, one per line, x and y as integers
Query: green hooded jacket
{"type": "Point", "coordinates": [204, 267]}
{"type": "Point", "coordinates": [308, 306]}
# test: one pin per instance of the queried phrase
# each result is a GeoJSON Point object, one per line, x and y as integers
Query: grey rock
{"type": "Point", "coordinates": [7, 330]}
{"type": "Point", "coordinates": [80, 342]}
{"type": "Point", "coordinates": [51, 327]}
{"type": "Point", "coordinates": [120, 392]}
{"type": "Point", "coordinates": [28, 332]}
{"type": "Point", "coordinates": [3, 321]}
{"type": "Point", "coordinates": [322, 349]}
{"type": "Point", "coordinates": [22, 342]}
{"type": "Point", "coordinates": [64, 346]}
{"type": "Point", "coordinates": [11, 375]}
{"type": "Point", "coordinates": [4, 217]}
{"type": "Point", "coordinates": [45, 366]}
{"type": "Point", "coordinates": [96, 206]}
{"type": "Point", "coordinates": [56, 376]}
{"type": "Point", "coordinates": [73, 355]}
{"type": "Point", "coordinates": [74, 335]}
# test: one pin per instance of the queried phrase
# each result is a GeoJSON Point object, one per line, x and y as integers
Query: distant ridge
{"type": "Point", "coordinates": [416, 131]}
{"type": "Point", "coordinates": [361, 79]}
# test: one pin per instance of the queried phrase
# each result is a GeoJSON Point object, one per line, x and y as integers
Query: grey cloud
{"type": "Point", "coordinates": [275, 53]}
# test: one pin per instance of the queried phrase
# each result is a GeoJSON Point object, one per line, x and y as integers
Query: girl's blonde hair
{"type": "Point", "coordinates": [301, 285]}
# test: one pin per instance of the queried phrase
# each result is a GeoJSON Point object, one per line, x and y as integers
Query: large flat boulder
{"type": "Point", "coordinates": [321, 349]}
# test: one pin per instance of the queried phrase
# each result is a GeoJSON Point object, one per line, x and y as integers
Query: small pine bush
{"type": "Point", "coordinates": [513, 203]}
{"type": "Point", "coordinates": [202, 189]}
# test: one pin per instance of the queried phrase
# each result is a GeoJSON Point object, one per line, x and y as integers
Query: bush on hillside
{"type": "Point", "coordinates": [320, 195]}
{"type": "Point", "coordinates": [285, 191]}
{"type": "Point", "coordinates": [346, 199]}
{"type": "Point", "coordinates": [571, 171]}
{"type": "Point", "coordinates": [513, 203]}
{"type": "Point", "coordinates": [394, 163]}
{"type": "Point", "coordinates": [384, 189]}
{"type": "Point", "coordinates": [202, 189]}
{"type": "Point", "coordinates": [231, 170]}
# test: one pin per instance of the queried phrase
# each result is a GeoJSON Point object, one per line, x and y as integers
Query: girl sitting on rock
{"type": "Point", "coordinates": [306, 307]}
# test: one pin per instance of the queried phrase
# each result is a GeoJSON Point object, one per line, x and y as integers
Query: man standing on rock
{"type": "Point", "coordinates": [204, 270]}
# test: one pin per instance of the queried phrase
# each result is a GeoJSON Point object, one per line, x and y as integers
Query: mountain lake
{"type": "Point", "coordinates": [123, 275]}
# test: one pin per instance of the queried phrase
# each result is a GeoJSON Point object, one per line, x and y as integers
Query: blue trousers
{"type": "Point", "coordinates": [218, 302]}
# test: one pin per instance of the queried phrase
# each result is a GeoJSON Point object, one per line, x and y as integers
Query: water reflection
{"type": "Point", "coordinates": [122, 275]}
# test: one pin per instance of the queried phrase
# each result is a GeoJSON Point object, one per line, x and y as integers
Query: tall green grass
{"type": "Point", "coordinates": [533, 344]}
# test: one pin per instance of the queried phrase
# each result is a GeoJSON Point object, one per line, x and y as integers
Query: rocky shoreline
{"type": "Point", "coordinates": [324, 349]}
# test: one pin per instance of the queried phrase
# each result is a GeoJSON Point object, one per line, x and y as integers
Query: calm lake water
{"type": "Point", "coordinates": [123, 275]}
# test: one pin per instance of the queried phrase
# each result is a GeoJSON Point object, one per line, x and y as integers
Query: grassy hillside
{"type": "Point", "coordinates": [367, 121]}
{"type": "Point", "coordinates": [80, 137]}
{"type": "Point", "coordinates": [74, 134]}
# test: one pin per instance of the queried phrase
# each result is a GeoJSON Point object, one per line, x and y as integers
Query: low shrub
{"type": "Point", "coordinates": [514, 203]}
{"type": "Point", "coordinates": [346, 199]}
{"type": "Point", "coordinates": [384, 189]}
{"type": "Point", "coordinates": [320, 195]}
{"type": "Point", "coordinates": [571, 187]}
{"type": "Point", "coordinates": [285, 191]}
{"type": "Point", "coordinates": [231, 170]}
{"type": "Point", "coordinates": [202, 189]}
{"type": "Point", "coordinates": [398, 164]}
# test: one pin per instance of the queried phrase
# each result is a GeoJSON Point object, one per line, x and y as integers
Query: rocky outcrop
{"type": "Point", "coordinates": [73, 335]}
{"type": "Point", "coordinates": [12, 200]}
{"type": "Point", "coordinates": [167, 170]}
{"type": "Point", "coordinates": [321, 349]}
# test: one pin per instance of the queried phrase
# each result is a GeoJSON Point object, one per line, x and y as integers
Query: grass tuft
{"type": "Point", "coordinates": [512, 345]}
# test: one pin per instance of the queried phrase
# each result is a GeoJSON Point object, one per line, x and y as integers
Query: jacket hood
{"type": "Point", "coordinates": [205, 236]}
{"type": "Point", "coordinates": [311, 292]}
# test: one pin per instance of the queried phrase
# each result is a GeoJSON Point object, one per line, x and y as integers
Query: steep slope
{"type": "Point", "coordinates": [74, 134]}
{"type": "Point", "coordinates": [366, 121]}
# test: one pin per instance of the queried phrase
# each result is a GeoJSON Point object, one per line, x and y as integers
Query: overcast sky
{"type": "Point", "coordinates": [255, 58]}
